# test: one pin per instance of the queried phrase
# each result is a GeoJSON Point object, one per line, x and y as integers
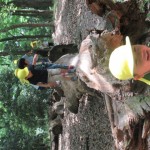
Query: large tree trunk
{"type": "Point", "coordinates": [128, 114]}
{"type": "Point", "coordinates": [127, 102]}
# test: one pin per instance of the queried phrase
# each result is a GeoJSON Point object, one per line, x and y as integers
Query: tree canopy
{"type": "Point", "coordinates": [23, 110]}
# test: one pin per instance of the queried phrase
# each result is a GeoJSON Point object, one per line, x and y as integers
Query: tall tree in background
{"type": "Point", "coordinates": [34, 13]}
{"type": "Point", "coordinates": [37, 4]}
{"type": "Point", "coordinates": [21, 22]}
{"type": "Point", "coordinates": [22, 117]}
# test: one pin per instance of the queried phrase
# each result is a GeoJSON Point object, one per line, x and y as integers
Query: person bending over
{"type": "Point", "coordinates": [38, 77]}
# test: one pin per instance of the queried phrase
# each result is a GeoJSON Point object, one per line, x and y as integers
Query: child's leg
{"type": "Point", "coordinates": [53, 72]}
{"type": "Point", "coordinates": [56, 66]}
{"type": "Point", "coordinates": [58, 71]}
{"type": "Point", "coordinates": [63, 72]}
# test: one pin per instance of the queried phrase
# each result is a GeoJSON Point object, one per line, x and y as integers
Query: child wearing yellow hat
{"type": "Point", "coordinates": [41, 78]}
{"type": "Point", "coordinates": [29, 73]}
{"type": "Point", "coordinates": [131, 61]}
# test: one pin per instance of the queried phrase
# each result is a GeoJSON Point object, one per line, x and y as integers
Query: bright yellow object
{"type": "Point", "coordinates": [145, 80]}
{"type": "Point", "coordinates": [22, 74]}
{"type": "Point", "coordinates": [15, 62]}
{"type": "Point", "coordinates": [35, 44]}
{"type": "Point", "coordinates": [121, 62]}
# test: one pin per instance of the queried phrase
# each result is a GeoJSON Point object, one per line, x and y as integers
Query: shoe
{"type": "Point", "coordinates": [71, 67]}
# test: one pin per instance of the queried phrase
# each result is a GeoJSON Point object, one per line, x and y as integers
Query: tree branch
{"type": "Point", "coordinates": [31, 25]}
{"type": "Point", "coordinates": [23, 37]}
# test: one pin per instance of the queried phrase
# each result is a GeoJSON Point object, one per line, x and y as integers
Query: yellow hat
{"type": "Point", "coordinates": [22, 74]}
{"type": "Point", "coordinates": [121, 62]}
{"type": "Point", "coordinates": [35, 44]}
{"type": "Point", "coordinates": [15, 62]}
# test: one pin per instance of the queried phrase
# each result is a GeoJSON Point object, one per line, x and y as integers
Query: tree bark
{"type": "Point", "coordinates": [128, 105]}
{"type": "Point", "coordinates": [125, 16]}
{"type": "Point", "coordinates": [128, 113]}
{"type": "Point", "coordinates": [60, 50]}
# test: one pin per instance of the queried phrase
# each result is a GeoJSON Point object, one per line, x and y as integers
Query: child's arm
{"type": "Point", "coordinates": [35, 58]}
{"type": "Point", "coordinates": [47, 85]}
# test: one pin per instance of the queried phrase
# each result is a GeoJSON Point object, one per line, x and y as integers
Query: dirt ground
{"type": "Point", "coordinates": [89, 129]}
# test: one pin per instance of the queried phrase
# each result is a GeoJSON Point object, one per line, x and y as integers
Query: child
{"type": "Point", "coordinates": [41, 78]}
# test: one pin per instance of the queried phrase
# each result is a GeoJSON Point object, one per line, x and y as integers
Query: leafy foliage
{"type": "Point", "coordinates": [23, 109]}
{"type": "Point", "coordinates": [23, 112]}
{"type": "Point", "coordinates": [142, 4]}
{"type": "Point", "coordinates": [8, 19]}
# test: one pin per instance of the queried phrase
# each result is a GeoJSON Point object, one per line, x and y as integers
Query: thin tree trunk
{"type": "Point", "coordinates": [24, 37]}
{"type": "Point", "coordinates": [14, 53]}
{"type": "Point", "coordinates": [33, 12]}
{"type": "Point", "coordinates": [32, 25]}
{"type": "Point", "coordinates": [32, 4]}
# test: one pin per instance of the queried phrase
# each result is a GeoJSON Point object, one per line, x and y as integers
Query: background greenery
{"type": "Point", "coordinates": [23, 109]}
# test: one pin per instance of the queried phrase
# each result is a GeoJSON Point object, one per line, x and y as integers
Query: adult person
{"type": "Point", "coordinates": [131, 61]}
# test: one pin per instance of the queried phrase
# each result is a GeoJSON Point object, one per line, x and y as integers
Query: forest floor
{"type": "Point", "coordinates": [84, 130]}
